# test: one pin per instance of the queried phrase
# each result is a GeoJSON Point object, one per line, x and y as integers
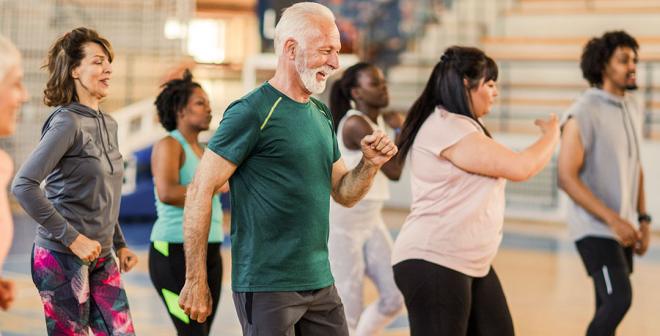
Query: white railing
{"type": "Point", "coordinates": [138, 128]}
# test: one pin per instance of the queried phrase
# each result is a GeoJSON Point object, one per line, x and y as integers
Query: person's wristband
{"type": "Point", "coordinates": [644, 218]}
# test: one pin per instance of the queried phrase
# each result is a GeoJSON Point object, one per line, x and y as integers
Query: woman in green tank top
{"type": "Point", "coordinates": [184, 110]}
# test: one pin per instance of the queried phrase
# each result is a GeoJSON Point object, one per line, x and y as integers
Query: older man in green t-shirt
{"type": "Point", "coordinates": [277, 148]}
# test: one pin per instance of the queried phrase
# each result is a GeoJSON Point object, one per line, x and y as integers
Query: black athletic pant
{"type": "Point", "coordinates": [609, 265]}
{"type": "Point", "coordinates": [167, 269]}
{"type": "Point", "coordinates": [441, 301]}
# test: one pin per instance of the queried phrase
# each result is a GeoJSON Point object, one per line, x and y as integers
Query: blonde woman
{"type": "Point", "coordinates": [12, 96]}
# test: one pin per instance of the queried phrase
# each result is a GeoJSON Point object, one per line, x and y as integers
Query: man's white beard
{"type": "Point", "coordinates": [308, 76]}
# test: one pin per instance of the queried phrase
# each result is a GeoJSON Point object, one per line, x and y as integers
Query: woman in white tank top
{"type": "Point", "coordinates": [359, 243]}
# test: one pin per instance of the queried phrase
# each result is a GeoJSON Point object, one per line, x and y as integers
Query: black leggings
{"type": "Point", "coordinates": [613, 299]}
{"type": "Point", "coordinates": [441, 301]}
{"type": "Point", "coordinates": [609, 264]}
{"type": "Point", "coordinates": [168, 274]}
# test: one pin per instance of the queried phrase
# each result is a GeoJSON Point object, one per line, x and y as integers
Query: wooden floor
{"type": "Point", "coordinates": [547, 288]}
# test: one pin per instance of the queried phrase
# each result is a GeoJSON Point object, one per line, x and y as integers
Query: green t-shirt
{"type": "Point", "coordinates": [280, 193]}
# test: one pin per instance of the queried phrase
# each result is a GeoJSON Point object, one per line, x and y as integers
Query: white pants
{"type": "Point", "coordinates": [360, 246]}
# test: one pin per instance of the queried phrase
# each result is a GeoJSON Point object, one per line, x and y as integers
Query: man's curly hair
{"type": "Point", "coordinates": [598, 52]}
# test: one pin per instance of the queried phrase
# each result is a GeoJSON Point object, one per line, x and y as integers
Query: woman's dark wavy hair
{"type": "Point", "coordinates": [340, 93]}
{"type": "Point", "coordinates": [445, 88]}
{"type": "Point", "coordinates": [598, 51]}
{"type": "Point", "coordinates": [64, 56]}
{"type": "Point", "coordinates": [173, 98]}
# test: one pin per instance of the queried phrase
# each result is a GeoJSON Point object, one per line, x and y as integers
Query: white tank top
{"type": "Point", "coordinates": [380, 190]}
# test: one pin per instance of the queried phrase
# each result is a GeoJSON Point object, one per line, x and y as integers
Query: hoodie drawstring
{"type": "Point", "coordinates": [627, 122]}
{"type": "Point", "coordinates": [105, 150]}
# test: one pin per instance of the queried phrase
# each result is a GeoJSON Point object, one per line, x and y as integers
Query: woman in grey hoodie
{"type": "Point", "coordinates": [72, 263]}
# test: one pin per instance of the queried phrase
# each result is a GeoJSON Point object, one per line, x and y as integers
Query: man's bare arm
{"type": "Point", "coordinates": [212, 173]}
{"type": "Point", "coordinates": [348, 187]}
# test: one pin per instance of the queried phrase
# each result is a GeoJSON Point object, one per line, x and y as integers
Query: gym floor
{"type": "Point", "coordinates": [547, 288]}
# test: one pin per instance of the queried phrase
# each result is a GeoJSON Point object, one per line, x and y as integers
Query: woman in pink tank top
{"type": "Point", "coordinates": [442, 257]}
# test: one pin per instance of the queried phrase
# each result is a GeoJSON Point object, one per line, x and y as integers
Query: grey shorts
{"type": "Point", "coordinates": [303, 313]}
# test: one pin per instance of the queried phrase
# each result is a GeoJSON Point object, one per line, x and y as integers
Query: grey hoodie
{"type": "Point", "coordinates": [80, 161]}
{"type": "Point", "coordinates": [610, 131]}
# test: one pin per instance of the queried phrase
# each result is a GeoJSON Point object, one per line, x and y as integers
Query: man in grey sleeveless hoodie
{"type": "Point", "coordinates": [600, 169]}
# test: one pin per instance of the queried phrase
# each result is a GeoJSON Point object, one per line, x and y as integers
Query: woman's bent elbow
{"type": "Point", "coordinates": [519, 177]}
{"type": "Point", "coordinates": [19, 189]}
{"type": "Point", "coordinates": [521, 172]}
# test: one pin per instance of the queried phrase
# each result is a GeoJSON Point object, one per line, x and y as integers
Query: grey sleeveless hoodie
{"type": "Point", "coordinates": [610, 131]}
{"type": "Point", "coordinates": [80, 161]}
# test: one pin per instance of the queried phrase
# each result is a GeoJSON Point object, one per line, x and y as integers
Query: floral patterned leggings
{"type": "Point", "coordinates": [78, 297]}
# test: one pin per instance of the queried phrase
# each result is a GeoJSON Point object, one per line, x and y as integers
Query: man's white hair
{"type": "Point", "coordinates": [9, 56]}
{"type": "Point", "coordinates": [298, 22]}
